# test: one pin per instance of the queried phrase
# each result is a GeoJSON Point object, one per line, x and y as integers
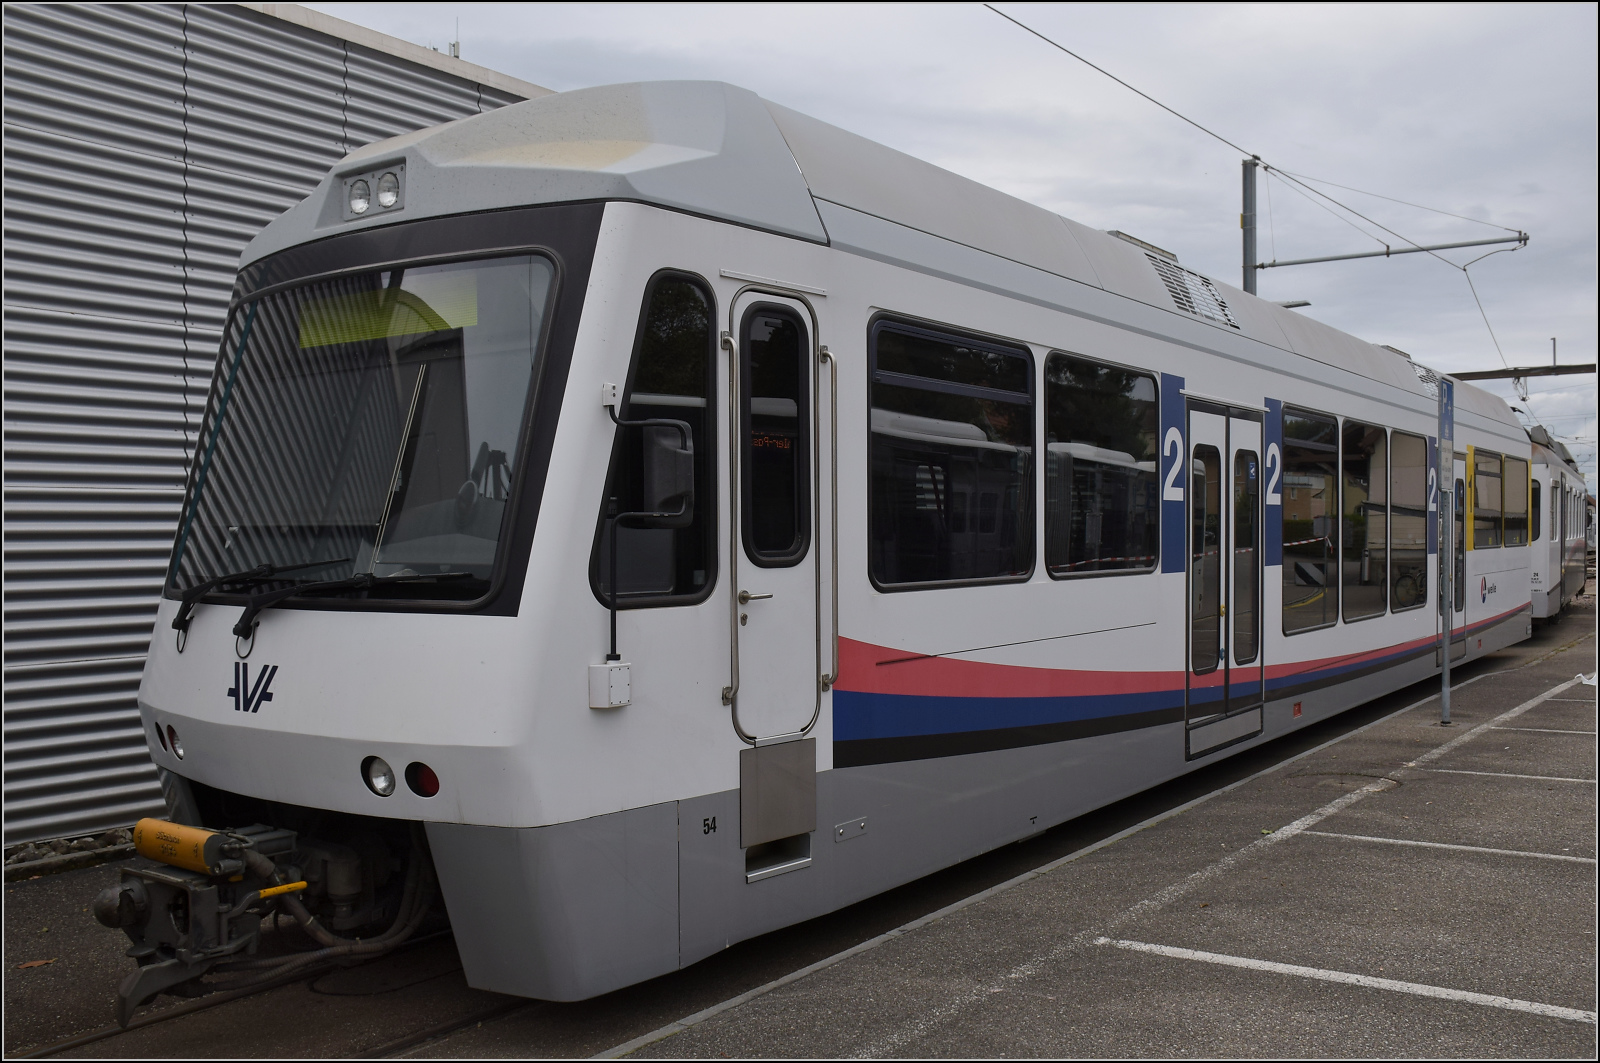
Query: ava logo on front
{"type": "Point", "coordinates": [248, 698]}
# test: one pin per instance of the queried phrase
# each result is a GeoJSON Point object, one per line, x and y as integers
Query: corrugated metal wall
{"type": "Point", "coordinates": [145, 145]}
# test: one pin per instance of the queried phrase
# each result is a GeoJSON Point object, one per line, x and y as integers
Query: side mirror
{"type": "Point", "coordinates": [668, 476]}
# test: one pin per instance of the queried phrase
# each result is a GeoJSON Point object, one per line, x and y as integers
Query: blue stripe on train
{"type": "Point", "coordinates": [858, 715]}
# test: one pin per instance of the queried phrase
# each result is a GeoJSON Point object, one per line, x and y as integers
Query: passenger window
{"type": "Point", "coordinates": [1310, 527]}
{"type": "Point", "coordinates": [1101, 512]}
{"type": "Point", "coordinates": [775, 437]}
{"type": "Point", "coordinates": [1205, 544]}
{"type": "Point", "coordinates": [1408, 522]}
{"type": "Point", "coordinates": [1486, 500]}
{"type": "Point", "coordinates": [1534, 511]}
{"type": "Point", "coordinates": [1365, 524]}
{"type": "Point", "coordinates": [671, 377]}
{"type": "Point", "coordinates": [1514, 490]}
{"type": "Point", "coordinates": [952, 458]}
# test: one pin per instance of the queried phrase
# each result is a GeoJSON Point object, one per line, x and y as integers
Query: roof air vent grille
{"type": "Point", "coordinates": [1192, 292]}
{"type": "Point", "coordinates": [1428, 378]}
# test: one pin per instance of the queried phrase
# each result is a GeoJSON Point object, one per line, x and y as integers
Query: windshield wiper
{"type": "Point", "coordinates": [361, 581]}
{"type": "Point", "coordinates": [259, 574]}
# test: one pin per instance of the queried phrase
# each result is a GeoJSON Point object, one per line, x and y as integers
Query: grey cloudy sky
{"type": "Point", "coordinates": [1483, 111]}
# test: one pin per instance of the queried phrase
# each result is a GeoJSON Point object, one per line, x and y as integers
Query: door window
{"type": "Point", "coordinates": [1246, 553]}
{"type": "Point", "coordinates": [1205, 567]}
{"type": "Point", "coordinates": [775, 465]}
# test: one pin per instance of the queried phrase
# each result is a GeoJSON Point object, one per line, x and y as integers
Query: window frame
{"type": "Point", "coordinates": [1388, 521]}
{"type": "Point", "coordinates": [1042, 402]}
{"type": "Point", "coordinates": [1478, 453]}
{"type": "Point", "coordinates": [713, 499]}
{"type": "Point", "coordinates": [1406, 511]}
{"type": "Point", "coordinates": [805, 504]}
{"type": "Point", "coordinates": [882, 320]}
{"type": "Point", "coordinates": [1505, 515]}
{"type": "Point", "coordinates": [1337, 511]}
{"type": "Point", "coordinates": [1535, 516]}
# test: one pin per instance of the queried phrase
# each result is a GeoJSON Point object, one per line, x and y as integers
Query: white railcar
{"type": "Point", "coordinates": [1557, 508]}
{"type": "Point", "coordinates": [861, 633]}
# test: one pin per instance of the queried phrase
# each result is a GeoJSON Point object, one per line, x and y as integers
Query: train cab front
{"type": "Point", "coordinates": [337, 657]}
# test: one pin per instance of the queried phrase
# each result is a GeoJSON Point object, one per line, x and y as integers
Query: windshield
{"type": "Point", "coordinates": [372, 422]}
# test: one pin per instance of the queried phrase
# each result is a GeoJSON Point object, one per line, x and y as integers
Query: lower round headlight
{"type": "Point", "coordinates": [360, 197]}
{"type": "Point", "coordinates": [388, 190]}
{"type": "Point", "coordinates": [378, 775]}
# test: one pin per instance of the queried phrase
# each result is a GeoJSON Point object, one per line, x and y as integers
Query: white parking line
{"type": "Point", "coordinates": [1368, 981]}
{"type": "Point", "coordinates": [1444, 845]}
{"type": "Point", "coordinates": [1545, 730]}
{"type": "Point", "coordinates": [933, 1015]}
{"type": "Point", "coordinates": [1509, 775]}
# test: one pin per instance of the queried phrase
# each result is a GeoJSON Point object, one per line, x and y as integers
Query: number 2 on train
{"type": "Point", "coordinates": [1274, 474]}
{"type": "Point", "coordinates": [1172, 490]}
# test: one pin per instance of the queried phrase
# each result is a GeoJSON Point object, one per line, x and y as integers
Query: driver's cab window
{"type": "Point", "coordinates": [669, 377]}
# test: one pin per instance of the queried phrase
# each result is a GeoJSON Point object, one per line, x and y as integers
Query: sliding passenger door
{"type": "Point", "coordinates": [1225, 666]}
{"type": "Point", "coordinates": [777, 629]}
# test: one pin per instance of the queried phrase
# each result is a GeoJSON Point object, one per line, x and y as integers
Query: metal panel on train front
{"type": "Point", "coordinates": [773, 513]}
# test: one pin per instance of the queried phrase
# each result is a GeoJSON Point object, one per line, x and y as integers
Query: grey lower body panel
{"type": "Point", "coordinates": [564, 912]}
{"type": "Point", "coordinates": [573, 910]}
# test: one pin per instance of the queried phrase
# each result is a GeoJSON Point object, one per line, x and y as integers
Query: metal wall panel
{"type": "Point", "coordinates": [145, 145]}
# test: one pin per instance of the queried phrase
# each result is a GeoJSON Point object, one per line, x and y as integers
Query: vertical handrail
{"type": "Point", "coordinates": [825, 355]}
{"type": "Point", "coordinates": [731, 691]}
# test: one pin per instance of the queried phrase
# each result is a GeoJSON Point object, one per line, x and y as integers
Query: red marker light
{"type": "Point", "coordinates": [421, 779]}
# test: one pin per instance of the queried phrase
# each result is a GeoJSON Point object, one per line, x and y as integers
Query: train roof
{"type": "Point", "coordinates": [723, 152]}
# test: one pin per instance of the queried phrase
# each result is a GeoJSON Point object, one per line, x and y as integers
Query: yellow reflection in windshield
{"type": "Point", "coordinates": [426, 302]}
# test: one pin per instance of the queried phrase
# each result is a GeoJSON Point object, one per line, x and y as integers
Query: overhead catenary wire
{"type": "Point", "coordinates": [1403, 202]}
{"type": "Point", "coordinates": [1290, 178]}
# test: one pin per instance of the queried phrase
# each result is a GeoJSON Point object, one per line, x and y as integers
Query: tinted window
{"type": "Point", "coordinates": [1515, 492]}
{"type": "Point", "coordinates": [1205, 562]}
{"type": "Point", "coordinates": [1365, 527]}
{"type": "Point", "coordinates": [952, 458]}
{"type": "Point", "coordinates": [1408, 521]}
{"type": "Point", "coordinates": [670, 378]}
{"type": "Point", "coordinates": [776, 437]}
{"type": "Point", "coordinates": [1534, 511]}
{"type": "Point", "coordinates": [1486, 500]}
{"type": "Point", "coordinates": [1310, 524]}
{"type": "Point", "coordinates": [1101, 511]}
{"type": "Point", "coordinates": [1246, 552]}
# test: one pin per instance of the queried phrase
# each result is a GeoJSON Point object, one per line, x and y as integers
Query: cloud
{"type": "Point", "coordinates": [1484, 111]}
